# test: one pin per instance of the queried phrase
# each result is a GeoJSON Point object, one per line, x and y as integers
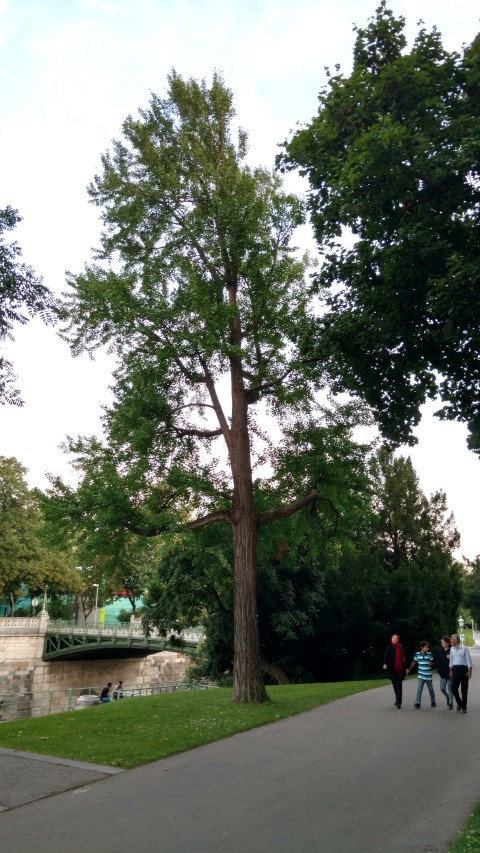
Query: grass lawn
{"type": "Point", "coordinates": [468, 840]}
{"type": "Point", "coordinates": [135, 731]}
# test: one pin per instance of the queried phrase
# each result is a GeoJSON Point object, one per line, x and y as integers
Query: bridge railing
{"type": "Point", "coordinates": [16, 706]}
{"type": "Point", "coordinates": [23, 625]}
{"type": "Point", "coordinates": [133, 629]}
{"type": "Point", "coordinates": [40, 624]}
{"type": "Point", "coordinates": [73, 627]}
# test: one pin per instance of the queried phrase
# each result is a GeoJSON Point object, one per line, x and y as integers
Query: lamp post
{"type": "Point", "coordinates": [96, 601]}
{"type": "Point", "coordinates": [44, 606]}
{"type": "Point", "coordinates": [461, 623]}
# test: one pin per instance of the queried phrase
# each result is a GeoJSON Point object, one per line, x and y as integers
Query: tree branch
{"type": "Point", "coordinates": [223, 423]}
{"type": "Point", "coordinates": [200, 433]}
{"type": "Point", "coordinates": [211, 518]}
{"type": "Point", "coordinates": [147, 532]}
{"type": "Point", "coordinates": [254, 391]}
{"type": "Point", "coordinates": [291, 509]}
{"type": "Point", "coordinates": [195, 378]}
{"type": "Point", "coordinates": [193, 406]}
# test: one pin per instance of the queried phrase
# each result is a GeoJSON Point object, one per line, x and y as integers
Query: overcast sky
{"type": "Point", "coordinates": [70, 72]}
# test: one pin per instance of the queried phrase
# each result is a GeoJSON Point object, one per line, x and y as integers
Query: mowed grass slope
{"type": "Point", "coordinates": [135, 731]}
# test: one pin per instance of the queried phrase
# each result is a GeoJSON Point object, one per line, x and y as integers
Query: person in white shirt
{"type": "Point", "coordinates": [461, 672]}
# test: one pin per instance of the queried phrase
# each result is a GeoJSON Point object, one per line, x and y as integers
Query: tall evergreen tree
{"type": "Point", "coordinates": [414, 540]}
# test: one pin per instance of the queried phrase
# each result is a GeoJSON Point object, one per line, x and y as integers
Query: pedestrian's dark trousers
{"type": "Point", "coordinates": [397, 682]}
{"type": "Point", "coordinates": [460, 679]}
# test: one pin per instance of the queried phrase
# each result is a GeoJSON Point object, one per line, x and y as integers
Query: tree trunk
{"type": "Point", "coordinates": [248, 683]}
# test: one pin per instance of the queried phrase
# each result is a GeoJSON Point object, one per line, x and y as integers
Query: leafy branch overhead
{"type": "Point", "coordinates": [22, 296]}
{"type": "Point", "coordinates": [393, 157]}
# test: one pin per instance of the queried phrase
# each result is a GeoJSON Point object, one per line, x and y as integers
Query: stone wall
{"type": "Point", "coordinates": [46, 687]}
{"type": "Point", "coordinates": [162, 667]}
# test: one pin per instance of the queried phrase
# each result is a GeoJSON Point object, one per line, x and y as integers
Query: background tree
{"type": "Point", "coordinates": [22, 295]}
{"type": "Point", "coordinates": [26, 564]}
{"type": "Point", "coordinates": [414, 539]}
{"type": "Point", "coordinates": [393, 157]}
{"type": "Point", "coordinates": [106, 522]}
{"type": "Point", "coordinates": [471, 588]}
{"type": "Point", "coordinates": [198, 293]}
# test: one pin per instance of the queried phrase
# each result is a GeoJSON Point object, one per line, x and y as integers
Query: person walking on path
{"type": "Point", "coordinates": [424, 661]}
{"type": "Point", "coordinates": [395, 661]}
{"type": "Point", "coordinates": [442, 662]}
{"type": "Point", "coordinates": [461, 672]}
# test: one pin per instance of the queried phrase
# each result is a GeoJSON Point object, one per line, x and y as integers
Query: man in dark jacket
{"type": "Point", "coordinates": [395, 662]}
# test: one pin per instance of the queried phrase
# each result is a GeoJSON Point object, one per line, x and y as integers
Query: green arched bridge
{"type": "Point", "coordinates": [72, 640]}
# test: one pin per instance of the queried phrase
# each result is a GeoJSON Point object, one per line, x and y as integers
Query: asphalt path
{"type": "Point", "coordinates": [354, 775]}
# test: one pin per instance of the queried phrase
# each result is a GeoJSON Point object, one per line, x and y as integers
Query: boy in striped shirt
{"type": "Point", "coordinates": [424, 661]}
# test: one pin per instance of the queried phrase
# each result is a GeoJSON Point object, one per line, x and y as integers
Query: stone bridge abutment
{"type": "Point", "coordinates": [22, 670]}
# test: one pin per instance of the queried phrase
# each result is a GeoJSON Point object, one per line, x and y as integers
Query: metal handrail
{"type": "Point", "coordinates": [42, 703]}
{"type": "Point", "coordinates": [132, 630]}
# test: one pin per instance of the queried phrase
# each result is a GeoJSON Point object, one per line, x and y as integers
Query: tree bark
{"type": "Point", "coordinates": [248, 683]}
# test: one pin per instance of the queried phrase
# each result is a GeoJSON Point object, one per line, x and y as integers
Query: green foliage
{"type": "Point", "coordinates": [415, 539]}
{"type": "Point", "coordinates": [59, 607]}
{"type": "Point", "coordinates": [471, 588]}
{"type": "Point", "coordinates": [124, 617]}
{"type": "Point", "coordinates": [393, 158]}
{"type": "Point", "coordinates": [103, 523]}
{"type": "Point", "coordinates": [193, 581]}
{"type": "Point", "coordinates": [25, 561]}
{"type": "Point", "coordinates": [22, 295]}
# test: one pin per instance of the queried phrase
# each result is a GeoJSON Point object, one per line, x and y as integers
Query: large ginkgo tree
{"type": "Point", "coordinates": [198, 292]}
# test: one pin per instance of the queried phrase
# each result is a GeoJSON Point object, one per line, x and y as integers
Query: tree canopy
{"type": "Point", "coordinates": [22, 295]}
{"type": "Point", "coordinates": [471, 588]}
{"type": "Point", "coordinates": [393, 159]}
{"type": "Point", "coordinates": [26, 562]}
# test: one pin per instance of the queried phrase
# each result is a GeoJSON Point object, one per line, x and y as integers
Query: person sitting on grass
{"type": "Point", "coordinates": [424, 661]}
{"type": "Point", "coordinates": [104, 695]}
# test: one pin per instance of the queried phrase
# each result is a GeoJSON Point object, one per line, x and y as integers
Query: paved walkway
{"type": "Point", "coordinates": [354, 775]}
